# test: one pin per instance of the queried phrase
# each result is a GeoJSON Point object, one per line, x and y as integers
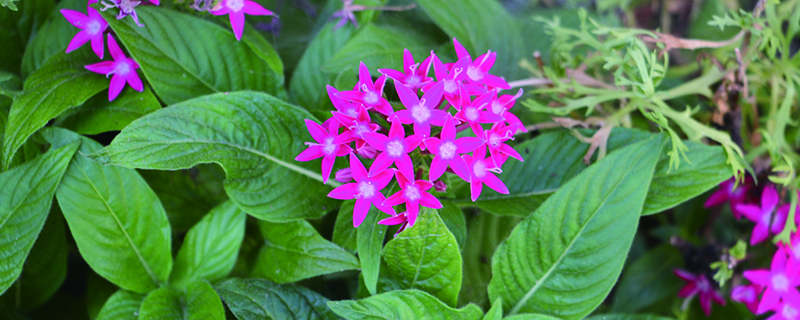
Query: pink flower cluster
{"type": "Point", "coordinates": [463, 96]}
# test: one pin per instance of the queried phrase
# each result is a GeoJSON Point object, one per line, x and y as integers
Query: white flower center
{"type": "Point", "coordinates": [412, 80]}
{"type": "Point", "coordinates": [420, 113]}
{"type": "Point", "coordinates": [497, 108]}
{"type": "Point", "coordinates": [395, 148]}
{"type": "Point", "coordinates": [494, 139]}
{"type": "Point", "coordinates": [352, 112]}
{"type": "Point", "coordinates": [474, 73]}
{"type": "Point", "coordinates": [365, 190]}
{"type": "Point", "coordinates": [328, 147]}
{"type": "Point", "coordinates": [93, 27]}
{"type": "Point", "coordinates": [780, 282]}
{"type": "Point", "coordinates": [370, 97]}
{"type": "Point", "coordinates": [788, 312]}
{"type": "Point", "coordinates": [447, 150]}
{"type": "Point", "coordinates": [122, 68]}
{"type": "Point", "coordinates": [412, 193]}
{"type": "Point", "coordinates": [450, 86]}
{"type": "Point", "coordinates": [361, 128]}
{"type": "Point", "coordinates": [471, 113]}
{"type": "Point", "coordinates": [235, 5]}
{"type": "Point", "coordinates": [766, 217]}
{"type": "Point", "coordinates": [479, 168]}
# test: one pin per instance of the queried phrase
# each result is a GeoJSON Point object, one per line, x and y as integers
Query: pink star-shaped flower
{"type": "Point", "coordinates": [699, 285]}
{"type": "Point", "coordinates": [414, 75]}
{"type": "Point", "coordinates": [400, 218]}
{"type": "Point", "coordinates": [478, 72]}
{"type": "Point", "coordinates": [395, 149]}
{"type": "Point", "coordinates": [475, 112]}
{"type": "Point", "coordinates": [346, 111]}
{"type": "Point", "coordinates": [329, 146]}
{"type": "Point", "coordinates": [92, 28]}
{"type": "Point", "coordinates": [762, 216]}
{"type": "Point", "coordinates": [122, 68]}
{"type": "Point", "coordinates": [451, 79]}
{"type": "Point", "coordinates": [448, 149]}
{"type": "Point", "coordinates": [236, 9]}
{"type": "Point", "coordinates": [369, 93]}
{"type": "Point", "coordinates": [366, 190]}
{"type": "Point", "coordinates": [495, 139]}
{"type": "Point", "coordinates": [728, 191]}
{"type": "Point", "coordinates": [747, 295]}
{"type": "Point", "coordinates": [413, 194]}
{"type": "Point", "coordinates": [780, 281]}
{"type": "Point", "coordinates": [481, 170]}
{"type": "Point", "coordinates": [792, 251]}
{"type": "Point", "coordinates": [421, 112]}
{"type": "Point", "coordinates": [788, 309]}
{"type": "Point", "coordinates": [501, 105]}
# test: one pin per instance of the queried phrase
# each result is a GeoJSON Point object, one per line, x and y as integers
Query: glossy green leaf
{"type": "Point", "coordinates": [61, 83]}
{"type": "Point", "coordinates": [53, 37]}
{"type": "Point", "coordinates": [424, 257]}
{"type": "Point", "coordinates": [254, 136]}
{"type": "Point", "coordinates": [17, 27]}
{"type": "Point", "coordinates": [27, 192]}
{"type": "Point", "coordinates": [45, 268]}
{"type": "Point", "coordinates": [648, 280]}
{"type": "Point", "coordinates": [122, 305]}
{"type": "Point", "coordinates": [563, 259]}
{"type": "Point", "coordinates": [118, 223]}
{"type": "Point", "coordinates": [453, 218]}
{"type": "Point", "coordinates": [259, 299]}
{"type": "Point", "coordinates": [496, 312]}
{"type": "Point", "coordinates": [10, 85]}
{"type": "Point", "coordinates": [481, 25]}
{"type": "Point", "coordinates": [484, 233]}
{"type": "Point", "coordinates": [307, 86]}
{"type": "Point", "coordinates": [344, 234]}
{"type": "Point", "coordinates": [387, 53]}
{"type": "Point", "coordinates": [199, 302]}
{"type": "Point", "coordinates": [98, 115]}
{"type": "Point", "coordinates": [210, 248]}
{"type": "Point", "coordinates": [369, 239]}
{"type": "Point", "coordinates": [180, 68]}
{"type": "Point", "coordinates": [294, 251]}
{"type": "Point", "coordinates": [400, 305]}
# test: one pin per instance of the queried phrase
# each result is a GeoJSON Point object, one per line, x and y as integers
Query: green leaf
{"type": "Point", "coordinates": [180, 68]}
{"type": "Point", "coordinates": [259, 299]}
{"type": "Point", "coordinates": [403, 304]}
{"type": "Point", "coordinates": [27, 193]}
{"type": "Point", "coordinates": [648, 280]}
{"type": "Point", "coordinates": [52, 38]}
{"type": "Point", "coordinates": [308, 81]}
{"type": "Point", "coordinates": [98, 291]}
{"type": "Point", "coordinates": [98, 115]}
{"type": "Point", "coordinates": [588, 224]}
{"type": "Point", "coordinates": [45, 268]}
{"type": "Point", "coordinates": [210, 248]}
{"type": "Point", "coordinates": [61, 83]}
{"type": "Point", "coordinates": [480, 25]}
{"type": "Point", "coordinates": [122, 305]}
{"type": "Point", "coordinates": [628, 317]}
{"type": "Point", "coordinates": [496, 312]}
{"type": "Point", "coordinates": [344, 234]}
{"type": "Point", "coordinates": [454, 220]}
{"type": "Point", "coordinates": [200, 302]}
{"type": "Point", "coordinates": [255, 138]}
{"type": "Point", "coordinates": [10, 85]}
{"type": "Point", "coordinates": [9, 4]}
{"type": "Point", "coordinates": [118, 223]}
{"type": "Point", "coordinates": [18, 27]}
{"type": "Point", "coordinates": [528, 316]}
{"type": "Point", "coordinates": [485, 232]}
{"type": "Point", "coordinates": [294, 251]}
{"type": "Point", "coordinates": [369, 238]}
{"type": "Point", "coordinates": [387, 53]}
{"type": "Point", "coordinates": [424, 257]}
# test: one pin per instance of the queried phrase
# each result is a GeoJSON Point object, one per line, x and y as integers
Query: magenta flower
{"type": "Point", "coordinates": [366, 191]}
{"type": "Point", "coordinates": [126, 8]}
{"type": "Point", "coordinates": [346, 111]}
{"type": "Point", "coordinates": [450, 78]}
{"type": "Point", "coordinates": [329, 146]}
{"type": "Point", "coordinates": [475, 112]}
{"type": "Point", "coordinates": [728, 191]}
{"type": "Point", "coordinates": [92, 28]}
{"type": "Point", "coordinates": [414, 75]}
{"type": "Point", "coordinates": [344, 175]}
{"type": "Point", "coordinates": [421, 112]}
{"type": "Point", "coordinates": [448, 149]}
{"type": "Point", "coordinates": [122, 68]}
{"type": "Point", "coordinates": [792, 251]}
{"type": "Point", "coordinates": [481, 170]}
{"type": "Point", "coordinates": [478, 72]}
{"type": "Point", "coordinates": [501, 105]}
{"type": "Point", "coordinates": [236, 9]}
{"type": "Point", "coordinates": [780, 281]}
{"type": "Point", "coordinates": [400, 218]}
{"type": "Point", "coordinates": [461, 52]}
{"type": "Point", "coordinates": [495, 138]}
{"type": "Point", "coordinates": [369, 93]}
{"type": "Point", "coordinates": [395, 149]}
{"type": "Point", "coordinates": [747, 295]}
{"type": "Point", "coordinates": [699, 285]}
{"type": "Point", "coordinates": [762, 216]}
{"type": "Point", "coordinates": [413, 194]}
{"type": "Point", "coordinates": [786, 310]}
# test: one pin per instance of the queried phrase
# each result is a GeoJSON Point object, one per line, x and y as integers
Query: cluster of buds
{"type": "Point", "coordinates": [464, 96]}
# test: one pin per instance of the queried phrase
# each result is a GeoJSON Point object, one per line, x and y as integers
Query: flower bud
{"type": "Point", "coordinates": [439, 186]}
{"type": "Point", "coordinates": [344, 176]}
{"type": "Point", "coordinates": [368, 152]}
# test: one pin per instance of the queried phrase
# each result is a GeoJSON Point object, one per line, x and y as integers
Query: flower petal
{"type": "Point", "coordinates": [769, 198]}
{"type": "Point", "coordinates": [357, 168]}
{"type": "Point", "coordinates": [75, 18]}
{"type": "Point", "coordinates": [134, 81]}
{"type": "Point", "coordinates": [768, 300]}
{"type": "Point", "coordinates": [407, 97]}
{"type": "Point", "coordinates": [77, 41]}
{"type": "Point", "coordinates": [97, 46]}
{"type": "Point", "coordinates": [398, 219]}
{"type": "Point", "coordinates": [113, 48]}
{"type": "Point", "coordinates": [255, 9]}
{"type": "Point", "coordinates": [344, 192]}
{"type": "Point", "coordinates": [380, 164]}
{"type": "Point", "coordinates": [438, 167]}
{"type": "Point", "coordinates": [313, 152]}
{"type": "Point", "coordinates": [360, 211]}
{"type": "Point", "coordinates": [468, 144]}
{"type": "Point", "coordinates": [760, 277]}
{"type": "Point", "coordinates": [404, 164]}
{"type": "Point", "coordinates": [327, 166]}
{"type": "Point", "coordinates": [116, 86]}
{"type": "Point", "coordinates": [430, 201]}
{"type": "Point", "coordinates": [475, 187]}
{"type": "Point", "coordinates": [364, 78]}
{"type": "Point", "coordinates": [237, 23]}
{"type": "Point", "coordinates": [495, 183]}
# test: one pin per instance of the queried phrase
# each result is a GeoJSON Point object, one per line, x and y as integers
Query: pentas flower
{"type": "Point", "coordinates": [414, 75]}
{"type": "Point", "coordinates": [762, 215]}
{"type": "Point", "coordinates": [122, 68]}
{"type": "Point", "coordinates": [475, 112]}
{"type": "Point", "coordinates": [729, 192]}
{"type": "Point", "coordinates": [450, 78]}
{"type": "Point", "coordinates": [792, 250]}
{"type": "Point", "coordinates": [369, 93]}
{"type": "Point", "coordinates": [366, 190]}
{"type": "Point", "coordinates": [747, 295]}
{"type": "Point", "coordinates": [699, 285]}
{"type": "Point", "coordinates": [395, 149]}
{"type": "Point", "coordinates": [126, 8]}
{"type": "Point", "coordinates": [421, 112]}
{"type": "Point", "coordinates": [329, 146]}
{"type": "Point", "coordinates": [92, 27]}
{"type": "Point", "coordinates": [236, 9]}
{"type": "Point", "coordinates": [413, 194]}
{"type": "Point", "coordinates": [780, 281]}
{"type": "Point", "coordinates": [478, 72]}
{"type": "Point", "coordinates": [501, 105]}
{"type": "Point", "coordinates": [786, 310]}
{"type": "Point", "coordinates": [481, 170]}
{"type": "Point", "coordinates": [346, 111]}
{"type": "Point", "coordinates": [447, 151]}
{"type": "Point", "coordinates": [495, 138]}
{"type": "Point", "coordinates": [400, 218]}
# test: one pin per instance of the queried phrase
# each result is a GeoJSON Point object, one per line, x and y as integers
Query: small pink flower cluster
{"type": "Point", "coordinates": [464, 86]}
